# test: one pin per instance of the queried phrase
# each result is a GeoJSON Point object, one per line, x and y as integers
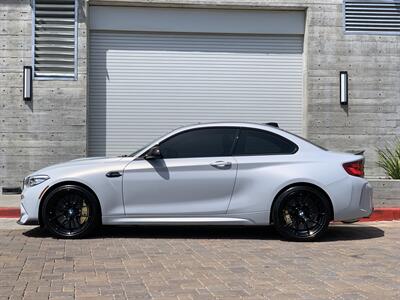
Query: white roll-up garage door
{"type": "Point", "coordinates": [143, 85]}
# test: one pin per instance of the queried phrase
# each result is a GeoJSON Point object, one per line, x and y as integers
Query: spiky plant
{"type": "Point", "coordinates": [389, 159]}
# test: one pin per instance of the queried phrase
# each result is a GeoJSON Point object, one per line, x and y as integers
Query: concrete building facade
{"type": "Point", "coordinates": [55, 125]}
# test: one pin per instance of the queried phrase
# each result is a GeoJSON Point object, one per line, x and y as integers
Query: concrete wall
{"type": "Point", "coordinates": [50, 129]}
{"type": "Point", "coordinates": [386, 192]}
{"type": "Point", "coordinates": [373, 62]}
{"type": "Point", "coordinates": [53, 127]}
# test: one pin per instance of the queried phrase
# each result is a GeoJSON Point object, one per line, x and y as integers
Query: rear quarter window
{"type": "Point", "coordinates": [261, 142]}
{"type": "Point", "coordinates": [308, 141]}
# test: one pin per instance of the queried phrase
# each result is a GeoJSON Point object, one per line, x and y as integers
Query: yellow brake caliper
{"type": "Point", "coordinates": [84, 213]}
{"type": "Point", "coordinates": [287, 217]}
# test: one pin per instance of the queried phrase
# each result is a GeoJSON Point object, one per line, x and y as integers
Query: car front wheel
{"type": "Point", "coordinates": [302, 213]}
{"type": "Point", "coordinates": [70, 211]}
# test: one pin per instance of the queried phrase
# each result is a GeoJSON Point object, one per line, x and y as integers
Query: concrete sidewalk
{"type": "Point", "coordinates": [10, 200]}
{"type": "Point", "coordinates": [11, 224]}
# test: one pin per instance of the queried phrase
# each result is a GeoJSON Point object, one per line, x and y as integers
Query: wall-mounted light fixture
{"type": "Point", "coordinates": [27, 84]}
{"type": "Point", "coordinates": [344, 92]}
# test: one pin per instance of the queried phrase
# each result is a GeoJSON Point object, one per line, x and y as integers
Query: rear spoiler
{"type": "Point", "coordinates": [273, 124]}
{"type": "Point", "coordinates": [356, 152]}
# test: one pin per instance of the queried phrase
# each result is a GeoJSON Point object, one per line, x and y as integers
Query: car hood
{"type": "Point", "coordinates": [83, 162]}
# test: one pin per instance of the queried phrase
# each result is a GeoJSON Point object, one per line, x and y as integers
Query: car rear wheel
{"type": "Point", "coordinates": [70, 211]}
{"type": "Point", "coordinates": [302, 213]}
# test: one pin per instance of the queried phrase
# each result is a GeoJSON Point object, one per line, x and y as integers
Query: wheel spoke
{"type": "Point", "coordinates": [65, 222]}
{"type": "Point", "coordinates": [306, 226]}
{"type": "Point", "coordinates": [297, 223]}
{"type": "Point", "coordinates": [77, 221]}
{"type": "Point", "coordinates": [56, 216]}
{"type": "Point", "coordinates": [70, 224]}
{"type": "Point", "coordinates": [314, 222]}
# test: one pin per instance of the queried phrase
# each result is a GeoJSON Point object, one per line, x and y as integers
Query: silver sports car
{"type": "Point", "coordinates": [219, 174]}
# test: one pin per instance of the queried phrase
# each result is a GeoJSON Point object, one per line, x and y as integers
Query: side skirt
{"type": "Point", "coordinates": [257, 218]}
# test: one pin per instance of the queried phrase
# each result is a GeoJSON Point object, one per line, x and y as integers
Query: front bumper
{"type": "Point", "coordinates": [25, 219]}
{"type": "Point", "coordinates": [30, 200]}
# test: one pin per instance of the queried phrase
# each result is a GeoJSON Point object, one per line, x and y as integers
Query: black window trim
{"type": "Point", "coordinates": [236, 138]}
{"type": "Point", "coordinates": [296, 148]}
{"type": "Point", "coordinates": [235, 142]}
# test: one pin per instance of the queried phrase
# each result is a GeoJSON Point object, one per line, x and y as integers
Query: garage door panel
{"type": "Point", "coordinates": [142, 85]}
{"type": "Point", "coordinates": [204, 43]}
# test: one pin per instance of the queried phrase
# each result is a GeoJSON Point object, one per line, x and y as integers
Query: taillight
{"type": "Point", "coordinates": [355, 168]}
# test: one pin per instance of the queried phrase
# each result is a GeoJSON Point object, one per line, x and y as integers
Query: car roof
{"type": "Point", "coordinates": [262, 126]}
{"type": "Point", "coordinates": [227, 124]}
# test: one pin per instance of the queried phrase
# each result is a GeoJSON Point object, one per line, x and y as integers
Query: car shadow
{"type": "Point", "coordinates": [337, 232]}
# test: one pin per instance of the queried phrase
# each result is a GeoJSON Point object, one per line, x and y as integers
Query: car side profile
{"type": "Point", "coordinates": [213, 174]}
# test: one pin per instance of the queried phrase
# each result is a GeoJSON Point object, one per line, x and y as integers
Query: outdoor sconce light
{"type": "Point", "coordinates": [27, 84]}
{"type": "Point", "coordinates": [344, 97]}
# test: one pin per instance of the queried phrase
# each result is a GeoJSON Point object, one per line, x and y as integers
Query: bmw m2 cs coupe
{"type": "Point", "coordinates": [213, 174]}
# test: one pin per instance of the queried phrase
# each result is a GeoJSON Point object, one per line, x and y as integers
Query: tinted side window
{"type": "Point", "coordinates": [205, 142]}
{"type": "Point", "coordinates": [259, 142]}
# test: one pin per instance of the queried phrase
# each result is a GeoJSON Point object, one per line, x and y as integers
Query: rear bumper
{"type": "Point", "coordinates": [366, 204]}
{"type": "Point", "coordinates": [360, 205]}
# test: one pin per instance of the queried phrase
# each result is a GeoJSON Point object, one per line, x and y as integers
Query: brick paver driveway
{"type": "Point", "coordinates": [353, 262]}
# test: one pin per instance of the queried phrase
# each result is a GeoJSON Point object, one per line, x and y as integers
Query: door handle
{"type": "Point", "coordinates": [114, 174]}
{"type": "Point", "coordinates": [221, 164]}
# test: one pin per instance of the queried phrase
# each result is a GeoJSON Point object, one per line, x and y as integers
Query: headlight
{"type": "Point", "coordinates": [35, 180]}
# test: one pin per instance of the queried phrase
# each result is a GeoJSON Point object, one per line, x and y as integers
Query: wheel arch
{"type": "Point", "coordinates": [58, 184]}
{"type": "Point", "coordinates": [318, 188]}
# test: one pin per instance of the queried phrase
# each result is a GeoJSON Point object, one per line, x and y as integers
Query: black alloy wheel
{"type": "Point", "coordinates": [70, 211]}
{"type": "Point", "coordinates": [302, 213]}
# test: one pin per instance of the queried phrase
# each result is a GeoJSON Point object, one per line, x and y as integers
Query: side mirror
{"type": "Point", "coordinates": [153, 153]}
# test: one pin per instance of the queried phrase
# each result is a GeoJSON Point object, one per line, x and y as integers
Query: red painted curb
{"type": "Point", "coordinates": [9, 212]}
{"type": "Point", "coordinates": [379, 214]}
{"type": "Point", "coordinates": [383, 214]}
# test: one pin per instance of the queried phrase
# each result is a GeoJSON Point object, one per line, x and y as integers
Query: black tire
{"type": "Point", "coordinates": [70, 211]}
{"type": "Point", "coordinates": [350, 221]}
{"type": "Point", "coordinates": [302, 213]}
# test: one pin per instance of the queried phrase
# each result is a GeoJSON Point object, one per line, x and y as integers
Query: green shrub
{"type": "Point", "coordinates": [389, 159]}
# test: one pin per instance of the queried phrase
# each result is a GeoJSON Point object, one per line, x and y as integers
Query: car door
{"type": "Point", "coordinates": [265, 161]}
{"type": "Point", "coordinates": [195, 175]}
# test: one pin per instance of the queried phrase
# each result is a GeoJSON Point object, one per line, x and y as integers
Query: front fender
{"type": "Point", "coordinates": [107, 190]}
